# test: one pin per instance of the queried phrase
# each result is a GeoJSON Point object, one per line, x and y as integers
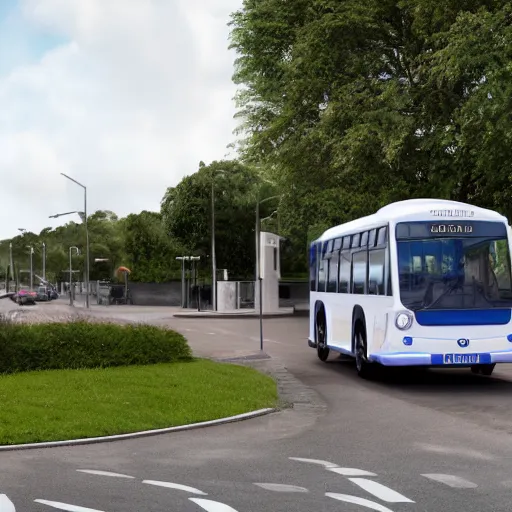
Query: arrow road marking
{"type": "Point", "coordinates": [351, 472]}
{"type": "Point", "coordinates": [66, 506]}
{"type": "Point", "coordinates": [6, 504]}
{"type": "Point", "coordinates": [358, 501]}
{"type": "Point", "coordinates": [324, 463]}
{"type": "Point", "coordinates": [451, 480]}
{"type": "Point", "coordinates": [103, 473]}
{"type": "Point", "coordinates": [212, 506]}
{"type": "Point", "coordinates": [281, 488]}
{"type": "Point", "coordinates": [380, 491]}
{"type": "Point", "coordinates": [178, 487]}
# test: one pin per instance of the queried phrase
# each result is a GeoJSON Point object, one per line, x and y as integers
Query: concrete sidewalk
{"type": "Point", "coordinates": [235, 313]}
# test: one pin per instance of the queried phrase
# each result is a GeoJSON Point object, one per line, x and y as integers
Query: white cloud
{"type": "Point", "coordinates": [138, 96]}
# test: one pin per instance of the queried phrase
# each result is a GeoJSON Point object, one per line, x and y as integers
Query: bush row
{"type": "Point", "coordinates": [81, 344]}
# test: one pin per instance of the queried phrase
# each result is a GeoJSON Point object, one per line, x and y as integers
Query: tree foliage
{"type": "Point", "coordinates": [187, 214]}
{"type": "Point", "coordinates": [350, 105]}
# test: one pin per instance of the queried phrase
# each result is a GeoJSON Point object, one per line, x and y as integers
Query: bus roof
{"type": "Point", "coordinates": [409, 208]}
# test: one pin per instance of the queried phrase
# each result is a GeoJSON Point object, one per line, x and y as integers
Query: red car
{"type": "Point", "coordinates": [24, 297]}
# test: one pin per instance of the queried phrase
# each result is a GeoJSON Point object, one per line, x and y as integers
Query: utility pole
{"type": "Point", "coordinates": [214, 260]}
{"type": "Point", "coordinates": [71, 272]}
{"type": "Point", "coordinates": [44, 261]}
{"type": "Point", "coordinates": [31, 267]}
{"type": "Point", "coordinates": [87, 265]}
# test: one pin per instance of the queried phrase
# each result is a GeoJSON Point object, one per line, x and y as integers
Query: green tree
{"type": "Point", "coordinates": [186, 211]}
{"type": "Point", "coordinates": [350, 105]}
{"type": "Point", "coordinates": [150, 250]}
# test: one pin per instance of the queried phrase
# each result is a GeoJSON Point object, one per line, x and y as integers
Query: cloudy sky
{"type": "Point", "coordinates": [125, 96]}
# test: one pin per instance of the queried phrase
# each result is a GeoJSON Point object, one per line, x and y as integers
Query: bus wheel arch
{"type": "Point", "coordinates": [321, 332]}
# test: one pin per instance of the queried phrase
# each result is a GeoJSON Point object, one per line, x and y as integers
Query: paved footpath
{"type": "Point", "coordinates": [424, 442]}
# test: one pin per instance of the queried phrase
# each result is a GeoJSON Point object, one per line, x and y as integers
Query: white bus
{"type": "Point", "coordinates": [423, 282]}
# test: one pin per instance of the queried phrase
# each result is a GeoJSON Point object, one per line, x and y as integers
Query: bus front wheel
{"type": "Point", "coordinates": [364, 368]}
{"type": "Point", "coordinates": [321, 338]}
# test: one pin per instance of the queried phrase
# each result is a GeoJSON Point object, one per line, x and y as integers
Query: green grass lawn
{"type": "Point", "coordinates": [69, 404]}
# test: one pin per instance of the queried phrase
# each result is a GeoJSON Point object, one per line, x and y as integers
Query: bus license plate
{"type": "Point", "coordinates": [461, 358]}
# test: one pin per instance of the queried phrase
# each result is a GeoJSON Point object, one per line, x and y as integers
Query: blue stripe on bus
{"type": "Point", "coordinates": [464, 317]}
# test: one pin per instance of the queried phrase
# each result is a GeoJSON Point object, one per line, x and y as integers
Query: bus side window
{"type": "Point", "coordinates": [382, 236]}
{"type": "Point", "coordinates": [344, 267]}
{"type": "Point", "coordinates": [359, 267]}
{"type": "Point", "coordinates": [332, 267]}
{"type": "Point", "coordinates": [376, 278]}
{"type": "Point", "coordinates": [312, 266]}
{"type": "Point", "coordinates": [321, 268]}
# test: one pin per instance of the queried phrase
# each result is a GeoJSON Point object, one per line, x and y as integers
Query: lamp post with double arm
{"type": "Point", "coordinates": [87, 266]}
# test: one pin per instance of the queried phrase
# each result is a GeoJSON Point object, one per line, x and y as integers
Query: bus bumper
{"type": "Point", "coordinates": [424, 359]}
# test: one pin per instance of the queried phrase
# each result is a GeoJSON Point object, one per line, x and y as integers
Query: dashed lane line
{"type": "Point", "coordinates": [178, 487]}
{"type": "Point", "coordinates": [351, 472]}
{"type": "Point", "coordinates": [66, 506]}
{"type": "Point", "coordinates": [358, 501]}
{"type": "Point", "coordinates": [6, 505]}
{"type": "Point", "coordinates": [380, 491]}
{"type": "Point", "coordinates": [319, 462]}
{"type": "Point", "coordinates": [105, 473]}
{"type": "Point", "coordinates": [451, 480]}
{"type": "Point", "coordinates": [212, 506]}
{"type": "Point", "coordinates": [282, 488]}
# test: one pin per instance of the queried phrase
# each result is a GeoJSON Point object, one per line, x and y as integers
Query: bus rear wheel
{"type": "Point", "coordinates": [364, 368]}
{"type": "Point", "coordinates": [321, 338]}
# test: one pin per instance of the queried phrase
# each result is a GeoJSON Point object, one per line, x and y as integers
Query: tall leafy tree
{"type": "Point", "coordinates": [187, 213]}
{"type": "Point", "coordinates": [351, 105]}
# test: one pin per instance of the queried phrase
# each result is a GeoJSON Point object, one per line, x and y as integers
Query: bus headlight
{"type": "Point", "coordinates": [403, 320]}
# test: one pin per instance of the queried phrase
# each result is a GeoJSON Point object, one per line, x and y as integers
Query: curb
{"type": "Point", "coordinates": [230, 316]}
{"type": "Point", "coordinates": [144, 433]}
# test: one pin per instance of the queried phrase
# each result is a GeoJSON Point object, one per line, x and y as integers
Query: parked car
{"type": "Point", "coordinates": [24, 297]}
{"type": "Point", "coordinates": [42, 294]}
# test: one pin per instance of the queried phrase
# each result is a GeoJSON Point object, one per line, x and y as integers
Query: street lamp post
{"type": "Point", "coordinates": [11, 262]}
{"type": "Point", "coordinates": [257, 275]}
{"type": "Point", "coordinates": [87, 266]}
{"type": "Point", "coordinates": [214, 259]}
{"type": "Point", "coordinates": [44, 261]}
{"type": "Point", "coordinates": [31, 266]}
{"type": "Point", "coordinates": [71, 272]}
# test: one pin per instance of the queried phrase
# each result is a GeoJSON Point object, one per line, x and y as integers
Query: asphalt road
{"type": "Point", "coordinates": [435, 441]}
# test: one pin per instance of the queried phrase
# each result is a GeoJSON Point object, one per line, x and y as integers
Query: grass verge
{"type": "Point", "coordinates": [73, 404]}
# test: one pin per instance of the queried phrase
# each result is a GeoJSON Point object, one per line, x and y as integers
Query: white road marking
{"type": "Point", "coordinates": [178, 487]}
{"type": "Point", "coordinates": [351, 472]}
{"type": "Point", "coordinates": [6, 505]}
{"type": "Point", "coordinates": [461, 452]}
{"type": "Point", "coordinates": [380, 491]}
{"type": "Point", "coordinates": [104, 473]}
{"type": "Point", "coordinates": [212, 506]}
{"type": "Point", "coordinates": [282, 488]}
{"type": "Point", "coordinates": [451, 480]}
{"type": "Point", "coordinates": [358, 501]}
{"type": "Point", "coordinates": [324, 463]}
{"type": "Point", "coordinates": [66, 506]}
{"type": "Point", "coordinates": [212, 333]}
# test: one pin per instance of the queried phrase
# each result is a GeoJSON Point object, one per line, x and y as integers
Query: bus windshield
{"type": "Point", "coordinates": [453, 271]}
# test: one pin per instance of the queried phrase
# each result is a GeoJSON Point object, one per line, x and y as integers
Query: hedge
{"type": "Point", "coordinates": [81, 344]}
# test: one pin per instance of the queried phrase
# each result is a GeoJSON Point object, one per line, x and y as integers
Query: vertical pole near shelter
{"type": "Point", "coordinates": [87, 262]}
{"type": "Point", "coordinates": [44, 261]}
{"type": "Point", "coordinates": [214, 259]}
{"type": "Point", "coordinates": [31, 268]}
{"type": "Point", "coordinates": [70, 278]}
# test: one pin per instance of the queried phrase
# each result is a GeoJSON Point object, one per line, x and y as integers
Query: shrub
{"type": "Point", "coordinates": [81, 344]}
